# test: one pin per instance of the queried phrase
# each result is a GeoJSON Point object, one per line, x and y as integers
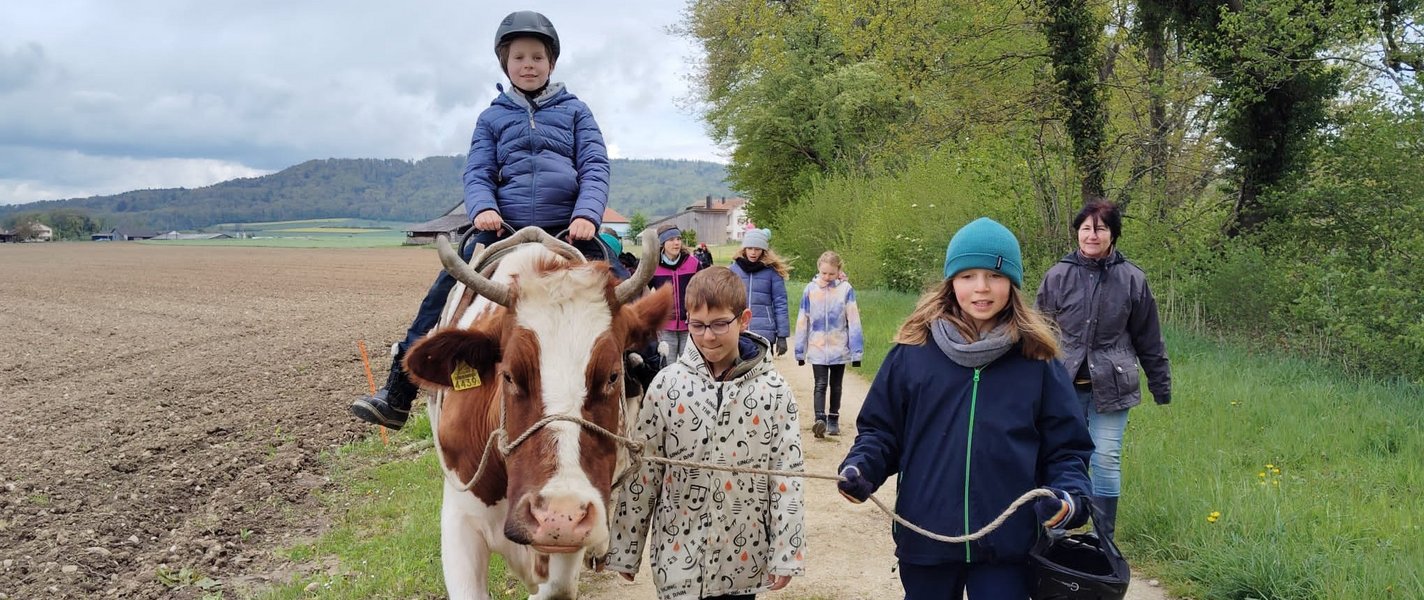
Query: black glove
{"type": "Point", "coordinates": [1055, 513]}
{"type": "Point", "coordinates": [780, 346]}
{"type": "Point", "coordinates": [800, 363]}
{"type": "Point", "coordinates": [855, 363]}
{"type": "Point", "coordinates": [855, 488]}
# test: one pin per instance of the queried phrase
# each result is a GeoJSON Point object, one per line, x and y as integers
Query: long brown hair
{"type": "Point", "coordinates": [771, 259]}
{"type": "Point", "coordinates": [1026, 325]}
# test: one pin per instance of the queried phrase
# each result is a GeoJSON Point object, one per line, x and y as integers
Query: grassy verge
{"type": "Point", "coordinates": [1272, 477]}
{"type": "Point", "coordinates": [387, 534]}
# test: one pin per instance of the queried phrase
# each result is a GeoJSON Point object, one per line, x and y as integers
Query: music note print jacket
{"type": "Point", "coordinates": [714, 532]}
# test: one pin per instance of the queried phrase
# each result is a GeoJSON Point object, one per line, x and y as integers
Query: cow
{"type": "Point", "coordinates": [546, 335]}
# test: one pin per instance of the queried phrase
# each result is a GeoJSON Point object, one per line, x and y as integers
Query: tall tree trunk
{"type": "Point", "coordinates": [1074, 34]}
{"type": "Point", "coordinates": [1153, 29]}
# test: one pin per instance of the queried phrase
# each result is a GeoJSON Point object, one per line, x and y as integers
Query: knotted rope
{"type": "Point", "coordinates": [635, 449]}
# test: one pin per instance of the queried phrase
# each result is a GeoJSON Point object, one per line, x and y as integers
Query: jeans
{"type": "Point", "coordinates": [429, 313]}
{"type": "Point", "coordinates": [1106, 429]}
{"type": "Point", "coordinates": [982, 581]}
{"type": "Point", "coordinates": [832, 375]}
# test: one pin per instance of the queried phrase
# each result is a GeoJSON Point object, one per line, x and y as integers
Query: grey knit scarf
{"type": "Point", "coordinates": [974, 354]}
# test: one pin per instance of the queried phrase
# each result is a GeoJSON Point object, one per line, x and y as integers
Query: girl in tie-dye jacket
{"type": "Point", "coordinates": [828, 336]}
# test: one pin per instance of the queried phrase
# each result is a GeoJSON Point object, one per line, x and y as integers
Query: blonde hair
{"type": "Point", "coordinates": [1026, 325]}
{"type": "Point", "coordinates": [771, 259]}
{"type": "Point", "coordinates": [830, 257]}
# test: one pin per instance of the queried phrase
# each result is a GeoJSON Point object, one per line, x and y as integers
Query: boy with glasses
{"type": "Point", "coordinates": [715, 534]}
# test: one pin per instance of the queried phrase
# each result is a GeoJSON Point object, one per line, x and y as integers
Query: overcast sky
{"type": "Point", "coordinates": [101, 97]}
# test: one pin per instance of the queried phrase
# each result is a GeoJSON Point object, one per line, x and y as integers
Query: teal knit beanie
{"type": "Point", "coordinates": [614, 244]}
{"type": "Point", "coordinates": [984, 244]}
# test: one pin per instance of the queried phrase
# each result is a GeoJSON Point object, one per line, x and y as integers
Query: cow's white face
{"type": "Point", "coordinates": [557, 350]}
{"type": "Point", "coordinates": [565, 360]}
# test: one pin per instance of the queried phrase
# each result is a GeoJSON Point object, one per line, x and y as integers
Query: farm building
{"type": "Point", "coordinates": [617, 222]}
{"type": "Point", "coordinates": [123, 235]}
{"type": "Point", "coordinates": [715, 221]}
{"type": "Point", "coordinates": [174, 235]}
{"type": "Point", "coordinates": [453, 223]}
{"type": "Point", "coordinates": [38, 232]}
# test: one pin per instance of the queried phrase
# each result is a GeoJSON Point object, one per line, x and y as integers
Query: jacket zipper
{"type": "Point", "coordinates": [1092, 336]}
{"type": "Point", "coordinates": [968, 454]}
{"type": "Point", "coordinates": [534, 170]}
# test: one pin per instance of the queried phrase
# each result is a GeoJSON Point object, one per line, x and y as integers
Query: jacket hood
{"type": "Point", "coordinates": [1077, 258]}
{"type": "Point", "coordinates": [755, 354]}
{"type": "Point", "coordinates": [513, 98]}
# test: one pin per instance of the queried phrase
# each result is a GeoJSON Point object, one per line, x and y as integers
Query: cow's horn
{"type": "Point", "coordinates": [633, 286]}
{"type": "Point", "coordinates": [498, 293]}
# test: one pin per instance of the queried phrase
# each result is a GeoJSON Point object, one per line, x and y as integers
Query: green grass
{"type": "Point", "coordinates": [281, 239]}
{"type": "Point", "coordinates": [329, 222]}
{"type": "Point", "coordinates": [1340, 519]}
{"type": "Point", "coordinates": [387, 534]}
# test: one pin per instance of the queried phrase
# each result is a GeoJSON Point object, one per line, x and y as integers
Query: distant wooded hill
{"type": "Point", "coordinates": [378, 189]}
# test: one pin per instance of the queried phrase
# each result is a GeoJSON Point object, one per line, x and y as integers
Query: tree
{"type": "Point", "coordinates": [26, 231]}
{"type": "Point", "coordinates": [1074, 37]}
{"type": "Point", "coordinates": [637, 223]}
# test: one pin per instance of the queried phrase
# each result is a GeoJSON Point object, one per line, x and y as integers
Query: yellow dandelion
{"type": "Point", "coordinates": [1270, 466]}
{"type": "Point", "coordinates": [1275, 482]}
{"type": "Point", "coordinates": [1212, 518]}
{"type": "Point", "coordinates": [1277, 471]}
{"type": "Point", "coordinates": [1262, 474]}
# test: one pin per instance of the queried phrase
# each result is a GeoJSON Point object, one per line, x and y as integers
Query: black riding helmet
{"type": "Point", "coordinates": [1079, 566]}
{"type": "Point", "coordinates": [528, 22]}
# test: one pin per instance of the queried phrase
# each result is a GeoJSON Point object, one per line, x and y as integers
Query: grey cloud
{"type": "Point", "coordinates": [25, 66]}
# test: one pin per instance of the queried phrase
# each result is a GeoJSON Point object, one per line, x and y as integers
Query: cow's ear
{"type": "Point", "coordinates": [646, 317]}
{"type": "Point", "coordinates": [432, 360]}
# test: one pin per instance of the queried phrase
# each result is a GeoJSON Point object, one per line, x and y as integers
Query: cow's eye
{"type": "Point", "coordinates": [613, 377]}
{"type": "Point", "coordinates": [508, 378]}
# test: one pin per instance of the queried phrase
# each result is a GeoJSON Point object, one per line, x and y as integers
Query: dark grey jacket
{"type": "Point", "coordinates": [1109, 318]}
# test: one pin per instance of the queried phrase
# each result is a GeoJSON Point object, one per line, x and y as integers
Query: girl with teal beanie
{"type": "Point", "coordinates": [971, 409]}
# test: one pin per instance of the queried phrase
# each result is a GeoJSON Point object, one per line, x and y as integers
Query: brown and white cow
{"type": "Point", "coordinates": [547, 336]}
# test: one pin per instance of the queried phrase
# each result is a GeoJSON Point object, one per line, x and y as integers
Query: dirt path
{"type": "Point", "coordinates": [851, 555]}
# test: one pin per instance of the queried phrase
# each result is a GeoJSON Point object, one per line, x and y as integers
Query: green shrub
{"type": "Point", "coordinates": [892, 230]}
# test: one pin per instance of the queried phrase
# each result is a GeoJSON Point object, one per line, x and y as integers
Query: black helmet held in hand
{"type": "Point", "coordinates": [528, 22]}
{"type": "Point", "coordinates": [1081, 566]}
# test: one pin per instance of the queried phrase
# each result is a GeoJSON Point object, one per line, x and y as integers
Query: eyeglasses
{"type": "Point", "coordinates": [716, 327]}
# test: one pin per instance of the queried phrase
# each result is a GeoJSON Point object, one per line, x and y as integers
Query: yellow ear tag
{"type": "Point", "coordinates": [465, 377]}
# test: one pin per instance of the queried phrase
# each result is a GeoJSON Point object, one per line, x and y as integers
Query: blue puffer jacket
{"type": "Point", "coordinates": [766, 296]}
{"type": "Point", "coordinates": [967, 443]}
{"type": "Point", "coordinates": [540, 163]}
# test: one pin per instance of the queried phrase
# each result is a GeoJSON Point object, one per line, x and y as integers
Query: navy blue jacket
{"type": "Point", "coordinates": [541, 163]}
{"type": "Point", "coordinates": [766, 297]}
{"type": "Point", "coordinates": [966, 449]}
